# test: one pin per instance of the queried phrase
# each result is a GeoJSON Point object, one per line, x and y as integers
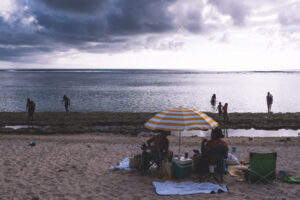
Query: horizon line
{"type": "Point", "coordinates": [143, 69]}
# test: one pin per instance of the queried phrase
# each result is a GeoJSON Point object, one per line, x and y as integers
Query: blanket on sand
{"type": "Point", "coordinates": [183, 188]}
{"type": "Point", "coordinates": [124, 164]}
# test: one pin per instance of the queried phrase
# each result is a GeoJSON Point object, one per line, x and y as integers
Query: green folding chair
{"type": "Point", "coordinates": [262, 167]}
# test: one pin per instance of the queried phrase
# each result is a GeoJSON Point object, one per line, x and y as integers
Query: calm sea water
{"type": "Point", "coordinates": [148, 90]}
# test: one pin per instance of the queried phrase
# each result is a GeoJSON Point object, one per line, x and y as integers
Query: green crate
{"type": "Point", "coordinates": [181, 170]}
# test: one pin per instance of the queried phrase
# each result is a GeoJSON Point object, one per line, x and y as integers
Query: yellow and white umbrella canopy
{"type": "Point", "coordinates": [180, 119]}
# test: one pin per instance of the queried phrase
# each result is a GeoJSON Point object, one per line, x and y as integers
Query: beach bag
{"type": "Point", "coordinates": [166, 169]}
{"type": "Point", "coordinates": [133, 162]}
{"type": "Point", "coordinates": [140, 162]}
{"type": "Point", "coordinates": [232, 160]}
{"type": "Point", "coordinates": [196, 163]}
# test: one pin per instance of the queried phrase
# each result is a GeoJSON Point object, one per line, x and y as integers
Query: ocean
{"type": "Point", "coordinates": [147, 90]}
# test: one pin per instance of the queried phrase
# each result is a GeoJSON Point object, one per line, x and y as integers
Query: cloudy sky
{"type": "Point", "coordinates": [160, 34]}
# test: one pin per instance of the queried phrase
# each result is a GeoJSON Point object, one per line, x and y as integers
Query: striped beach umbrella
{"type": "Point", "coordinates": [180, 119]}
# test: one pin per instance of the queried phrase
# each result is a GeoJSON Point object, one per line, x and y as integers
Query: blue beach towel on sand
{"type": "Point", "coordinates": [184, 188]}
{"type": "Point", "coordinates": [124, 164]}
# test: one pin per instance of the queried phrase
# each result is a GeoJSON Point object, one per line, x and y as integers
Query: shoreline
{"type": "Point", "coordinates": [129, 123]}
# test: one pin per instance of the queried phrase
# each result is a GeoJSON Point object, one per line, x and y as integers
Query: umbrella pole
{"type": "Point", "coordinates": [179, 144]}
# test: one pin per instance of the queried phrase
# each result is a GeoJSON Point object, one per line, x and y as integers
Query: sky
{"type": "Point", "coordinates": [150, 34]}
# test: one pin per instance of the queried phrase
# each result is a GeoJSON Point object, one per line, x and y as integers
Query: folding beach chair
{"type": "Point", "coordinates": [262, 167]}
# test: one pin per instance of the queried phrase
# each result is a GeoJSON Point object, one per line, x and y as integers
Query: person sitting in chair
{"type": "Point", "coordinates": [158, 147]}
{"type": "Point", "coordinates": [159, 144]}
{"type": "Point", "coordinates": [213, 153]}
{"type": "Point", "coordinates": [216, 140]}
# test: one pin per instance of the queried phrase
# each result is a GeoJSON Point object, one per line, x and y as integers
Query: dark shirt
{"type": "Point", "coordinates": [220, 108]}
{"type": "Point", "coordinates": [31, 107]}
{"type": "Point", "coordinates": [158, 144]}
{"type": "Point", "coordinates": [217, 141]}
{"type": "Point", "coordinates": [67, 101]}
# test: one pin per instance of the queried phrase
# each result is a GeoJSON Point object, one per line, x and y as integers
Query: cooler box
{"type": "Point", "coordinates": [181, 168]}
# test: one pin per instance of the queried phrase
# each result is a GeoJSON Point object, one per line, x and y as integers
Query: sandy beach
{"type": "Point", "coordinates": [74, 152]}
{"type": "Point", "coordinates": [78, 167]}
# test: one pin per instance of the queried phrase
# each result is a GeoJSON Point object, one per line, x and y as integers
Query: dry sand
{"type": "Point", "coordinates": [77, 167]}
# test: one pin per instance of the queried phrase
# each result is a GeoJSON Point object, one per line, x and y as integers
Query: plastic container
{"type": "Point", "coordinates": [181, 168]}
{"type": "Point", "coordinates": [184, 161]}
{"type": "Point", "coordinates": [32, 144]}
{"type": "Point", "coordinates": [212, 169]}
{"type": "Point", "coordinates": [282, 174]}
{"type": "Point", "coordinates": [233, 149]}
{"type": "Point", "coordinates": [186, 155]}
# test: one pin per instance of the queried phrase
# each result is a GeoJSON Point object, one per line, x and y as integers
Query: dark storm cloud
{"type": "Point", "coordinates": [76, 23]}
{"type": "Point", "coordinates": [17, 34]}
{"type": "Point", "coordinates": [80, 6]}
{"type": "Point", "coordinates": [116, 18]}
{"type": "Point", "coordinates": [101, 25]}
{"type": "Point", "coordinates": [136, 16]}
{"type": "Point", "coordinates": [19, 52]}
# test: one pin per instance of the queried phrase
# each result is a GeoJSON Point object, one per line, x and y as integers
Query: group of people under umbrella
{"type": "Point", "coordinates": [213, 151]}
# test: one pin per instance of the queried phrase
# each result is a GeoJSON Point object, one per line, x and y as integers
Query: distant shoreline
{"type": "Point", "coordinates": [126, 123]}
{"type": "Point", "coordinates": [128, 70]}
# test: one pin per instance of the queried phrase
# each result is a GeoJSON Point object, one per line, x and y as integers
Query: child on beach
{"type": "Point", "coordinates": [219, 109]}
{"type": "Point", "coordinates": [225, 112]}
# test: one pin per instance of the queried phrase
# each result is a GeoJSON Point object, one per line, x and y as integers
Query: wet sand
{"type": "Point", "coordinates": [78, 167]}
{"type": "Point", "coordinates": [132, 123]}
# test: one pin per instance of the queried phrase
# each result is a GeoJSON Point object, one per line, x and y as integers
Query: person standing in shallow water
{"type": "Point", "coordinates": [269, 101]}
{"type": "Point", "coordinates": [225, 112]}
{"type": "Point", "coordinates": [67, 102]}
{"type": "Point", "coordinates": [219, 109]}
{"type": "Point", "coordinates": [213, 100]}
{"type": "Point", "coordinates": [30, 106]}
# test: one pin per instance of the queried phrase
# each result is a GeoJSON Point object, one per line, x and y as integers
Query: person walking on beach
{"type": "Point", "coordinates": [269, 101]}
{"type": "Point", "coordinates": [213, 100]}
{"type": "Point", "coordinates": [225, 112]}
{"type": "Point", "coordinates": [30, 106]}
{"type": "Point", "coordinates": [67, 102]}
{"type": "Point", "coordinates": [219, 109]}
